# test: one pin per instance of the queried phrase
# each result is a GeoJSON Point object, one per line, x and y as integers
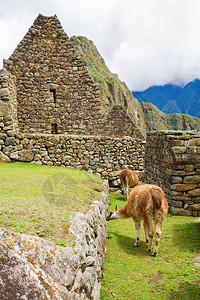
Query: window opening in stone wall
{"type": "Point", "coordinates": [53, 91]}
{"type": "Point", "coordinates": [54, 129]}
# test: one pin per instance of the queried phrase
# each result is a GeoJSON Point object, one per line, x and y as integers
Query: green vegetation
{"type": "Point", "coordinates": [157, 120]}
{"type": "Point", "coordinates": [39, 200]}
{"type": "Point", "coordinates": [131, 273]}
{"type": "Point", "coordinates": [113, 91]}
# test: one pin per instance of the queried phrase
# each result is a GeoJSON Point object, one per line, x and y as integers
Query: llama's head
{"type": "Point", "coordinates": [112, 215]}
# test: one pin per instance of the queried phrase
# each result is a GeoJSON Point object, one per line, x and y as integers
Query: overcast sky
{"type": "Point", "coordinates": [146, 42]}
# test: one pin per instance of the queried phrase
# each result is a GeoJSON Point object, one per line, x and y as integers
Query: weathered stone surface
{"type": "Point", "coordinates": [115, 183]}
{"type": "Point", "coordinates": [192, 179]}
{"type": "Point", "coordinates": [90, 231]}
{"type": "Point", "coordinates": [183, 187]}
{"type": "Point", "coordinates": [194, 193]}
{"type": "Point", "coordinates": [194, 207]}
{"type": "Point", "coordinates": [178, 150]}
{"type": "Point", "coordinates": [182, 183]}
{"type": "Point", "coordinates": [4, 158]}
{"type": "Point", "coordinates": [176, 179]}
{"type": "Point", "coordinates": [10, 141]}
{"type": "Point", "coordinates": [194, 142]}
{"type": "Point", "coordinates": [24, 155]}
{"type": "Point", "coordinates": [114, 173]}
{"type": "Point", "coordinates": [197, 200]}
{"type": "Point", "coordinates": [32, 268]}
{"type": "Point", "coordinates": [180, 211]}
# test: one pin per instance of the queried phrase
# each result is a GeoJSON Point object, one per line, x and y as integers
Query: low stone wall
{"type": "Point", "coordinates": [101, 155]}
{"type": "Point", "coordinates": [33, 268]}
{"type": "Point", "coordinates": [172, 160]}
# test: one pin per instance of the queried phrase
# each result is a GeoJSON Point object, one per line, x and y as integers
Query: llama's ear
{"type": "Point", "coordinates": [116, 207]}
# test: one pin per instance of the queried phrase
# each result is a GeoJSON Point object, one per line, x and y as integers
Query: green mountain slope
{"type": "Point", "coordinates": [157, 120]}
{"type": "Point", "coordinates": [113, 91]}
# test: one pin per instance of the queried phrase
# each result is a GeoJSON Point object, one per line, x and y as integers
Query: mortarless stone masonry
{"type": "Point", "coordinates": [172, 160]}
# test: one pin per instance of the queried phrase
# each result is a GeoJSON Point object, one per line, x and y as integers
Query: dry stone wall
{"type": "Point", "coordinates": [172, 160]}
{"type": "Point", "coordinates": [33, 268]}
{"type": "Point", "coordinates": [101, 155]}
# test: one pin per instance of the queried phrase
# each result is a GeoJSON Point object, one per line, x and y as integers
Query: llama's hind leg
{"type": "Point", "coordinates": [123, 189]}
{"type": "Point", "coordinates": [126, 190]}
{"type": "Point", "coordinates": [146, 232]}
{"type": "Point", "coordinates": [150, 231]}
{"type": "Point", "coordinates": [137, 227]}
{"type": "Point", "coordinates": [157, 237]}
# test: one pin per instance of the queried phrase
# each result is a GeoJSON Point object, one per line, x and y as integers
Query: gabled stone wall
{"type": "Point", "coordinates": [55, 93]}
{"type": "Point", "coordinates": [54, 90]}
{"type": "Point", "coordinates": [172, 160]}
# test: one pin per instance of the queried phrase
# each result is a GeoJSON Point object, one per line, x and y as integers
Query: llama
{"type": "Point", "coordinates": [128, 179]}
{"type": "Point", "coordinates": [146, 202]}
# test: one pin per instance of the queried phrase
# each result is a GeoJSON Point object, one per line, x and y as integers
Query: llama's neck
{"type": "Point", "coordinates": [121, 213]}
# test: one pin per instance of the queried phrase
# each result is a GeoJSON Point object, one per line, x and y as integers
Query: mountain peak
{"type": "Point", "coordinates": [186, 99]}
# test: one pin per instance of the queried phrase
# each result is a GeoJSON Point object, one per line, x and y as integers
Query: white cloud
{"type": "Point", "coordinates": [146, 42]}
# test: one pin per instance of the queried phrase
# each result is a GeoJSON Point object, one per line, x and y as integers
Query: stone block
{"type": "Point", "coordinates": [183, 187]}
{"type": "Point", "coordinates": [114, 173]}
{"type": "Point", "coordinates": [194, 207]}
{"type": "Point", "coordinates": [192, 179]}
{"type": "Point", "coordinates": [179, 211]}
{"type": "Point", "coordinates": [178, 150]}
{"type": "Point", "coordinates": [189, 168]}
{"type": "Point", "coordinates": [194, 142]}
{"type": "Point", "coordinates": [10, 141]}
{"type": "Point", "coordinates": [194, 193]}
{"type": "Point", "coordinates": [176, 179]}
{"type": "Point", "coordinates": [4, 158]}
{"type": "Point", "coordinates": [197, 200]}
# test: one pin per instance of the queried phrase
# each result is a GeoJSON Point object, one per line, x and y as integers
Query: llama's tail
{"type": "Point", "coordinates": [123, 177]}
{"type": "Point", "coordinates": [157, 197]}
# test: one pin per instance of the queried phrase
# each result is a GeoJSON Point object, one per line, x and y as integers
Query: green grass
{"type": "Point", "coordinates": [39, 200]}
{"type": "Point", "coordinates": [132, 273]}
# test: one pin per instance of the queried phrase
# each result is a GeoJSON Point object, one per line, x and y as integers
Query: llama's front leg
{"type": "Point", "coordinates": [137, 227]}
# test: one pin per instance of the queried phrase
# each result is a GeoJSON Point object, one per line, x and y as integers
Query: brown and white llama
{"type": "Point", "coordinates": [128, 179]}
{"type": "Point", "coordinates": [146, 202]}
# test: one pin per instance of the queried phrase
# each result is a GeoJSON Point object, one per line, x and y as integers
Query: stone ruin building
{"type": "Point", "coordinates": [55, 93]}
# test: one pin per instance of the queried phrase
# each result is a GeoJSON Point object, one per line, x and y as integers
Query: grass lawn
{"type": "Point", "coordinates": [132, 273]}
{"type": "Point", "coordinates": [39, 200]}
